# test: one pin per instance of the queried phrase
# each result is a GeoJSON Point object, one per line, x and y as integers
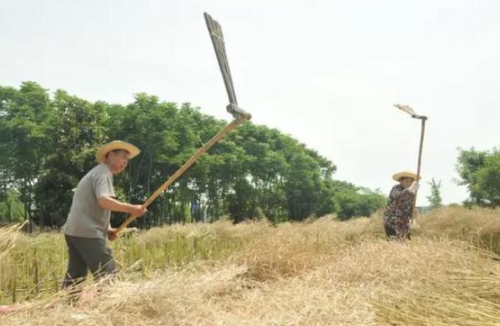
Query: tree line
{"type": "Point", "coordinates": [48, 142]}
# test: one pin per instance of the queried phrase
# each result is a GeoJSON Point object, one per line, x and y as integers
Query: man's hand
{"type": "Point", "coordinates": [137, 210]}
{"type": "Point", "coordinates": [112, 235]}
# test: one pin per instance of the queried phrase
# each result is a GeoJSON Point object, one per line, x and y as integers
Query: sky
{"type": "Point", "coordinates": [324, 72]}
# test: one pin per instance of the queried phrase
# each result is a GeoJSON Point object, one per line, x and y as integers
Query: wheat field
{"type": "Point", "coordinates": [320, 272]}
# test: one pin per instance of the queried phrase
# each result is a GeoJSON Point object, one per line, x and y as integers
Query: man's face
{"type": "Point", "coordinates": [117, 161]}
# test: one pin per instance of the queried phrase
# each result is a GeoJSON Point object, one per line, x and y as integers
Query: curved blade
{"type": "Point", "coordinates": [220, 50]}
{"type": "Point", "coordinates": [405, 108]}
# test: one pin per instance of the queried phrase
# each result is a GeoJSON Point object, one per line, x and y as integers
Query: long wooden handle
{"type": "Point", "coordinates": [221, 134]}
{"type": "Point", "coordinates": [422, 133]}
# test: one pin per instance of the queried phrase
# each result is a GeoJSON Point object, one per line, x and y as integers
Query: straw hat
{"type": "Point", "coordinates": [114, 145]}
{"type": "Point", "coordinates": [405, 174]}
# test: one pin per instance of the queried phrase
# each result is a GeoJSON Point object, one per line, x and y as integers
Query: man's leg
{"type": "Point", "coordinates": [98, 257]}
{"type": "Point", "coordinates": [77, 268]}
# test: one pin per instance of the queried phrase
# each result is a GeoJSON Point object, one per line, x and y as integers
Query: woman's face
{"type": "Point", "coordinates": [406, 182]}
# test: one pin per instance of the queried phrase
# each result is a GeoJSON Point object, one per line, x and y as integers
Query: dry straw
{"type": "Point", "coordinates": [318, 273]}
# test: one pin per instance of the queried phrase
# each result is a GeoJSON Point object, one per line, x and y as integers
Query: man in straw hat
{"type": "Point", "coordinates": [88, 224]}
{"type": "Point", "coordinates": [400, 205]}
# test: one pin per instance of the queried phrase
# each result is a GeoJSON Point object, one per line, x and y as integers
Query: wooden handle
{"type": "Point", "coordinates": [419, 164]}
{"type": "Point", "coordinates": [221, 134]}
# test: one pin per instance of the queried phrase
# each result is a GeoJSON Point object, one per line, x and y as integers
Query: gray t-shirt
{"type": "Point", "coordinates": [86, 218]}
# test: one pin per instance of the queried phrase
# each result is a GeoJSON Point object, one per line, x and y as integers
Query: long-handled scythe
{"type": "Point", "coordinates": [238, 114]}
{"type": "Point", "coordinates": [423, 119]}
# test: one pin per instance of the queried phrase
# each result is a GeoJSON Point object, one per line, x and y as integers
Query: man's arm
{"type": "Point", "coordinates": [112, 204]}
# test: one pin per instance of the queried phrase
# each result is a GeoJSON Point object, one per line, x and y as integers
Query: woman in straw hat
{"type": "Point", "coordinates": [88, 224]}
{"type": "Point", "coordinates": [399, 207]}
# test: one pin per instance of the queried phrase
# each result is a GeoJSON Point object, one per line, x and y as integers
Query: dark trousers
{"type": "Point", "coordinates": [84, 255]}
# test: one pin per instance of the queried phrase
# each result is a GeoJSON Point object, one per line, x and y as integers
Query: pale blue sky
{"type": "Point", "coordinates": [325, 72]}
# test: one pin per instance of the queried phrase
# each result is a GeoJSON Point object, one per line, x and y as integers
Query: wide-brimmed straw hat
{"type": "Point", "coordinates": [405, 174]}
{"type": "Point", "coordinates": [114, 145]}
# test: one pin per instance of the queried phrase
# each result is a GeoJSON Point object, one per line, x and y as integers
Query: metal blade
{"type": "Point", "coordinates": [406, 109]}
{"type": "Point", "coordinates": [220, 50]}
{"type": "Point", "coordinates": [217, 37]}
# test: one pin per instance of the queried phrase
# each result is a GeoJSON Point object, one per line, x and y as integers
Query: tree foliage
{"type": "Point", "coordinates": [479, 171]}
{"type": "Point", "coordinates": [435, 199]}
{"type": "Point", "coordinates": [47, 143]}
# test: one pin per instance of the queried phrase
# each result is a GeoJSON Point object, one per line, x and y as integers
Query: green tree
{"type": "Point", "coordinates": [74, 132]}
{"type": "Point", "coordinates": [23, 141]}
{"type": "Point", "coordinates": [434, 198]}
{"type": "Point", "coordinates": [11, 207]}
{"type": "Point", "coordinates": [480, 172]}
{"type": "Point", "coordinates": [488, 180]}
{"type": "Point", "coordinates": [469, 162]}
{"type": "Point", "coordinates": [354, 201]}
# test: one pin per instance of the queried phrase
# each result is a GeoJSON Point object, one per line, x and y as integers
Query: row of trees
{"type": "Point", "coordinates": [47, 144]}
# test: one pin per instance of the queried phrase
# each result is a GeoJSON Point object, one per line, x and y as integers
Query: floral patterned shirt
{"type": "Point", "coordinates": [399, 205]}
